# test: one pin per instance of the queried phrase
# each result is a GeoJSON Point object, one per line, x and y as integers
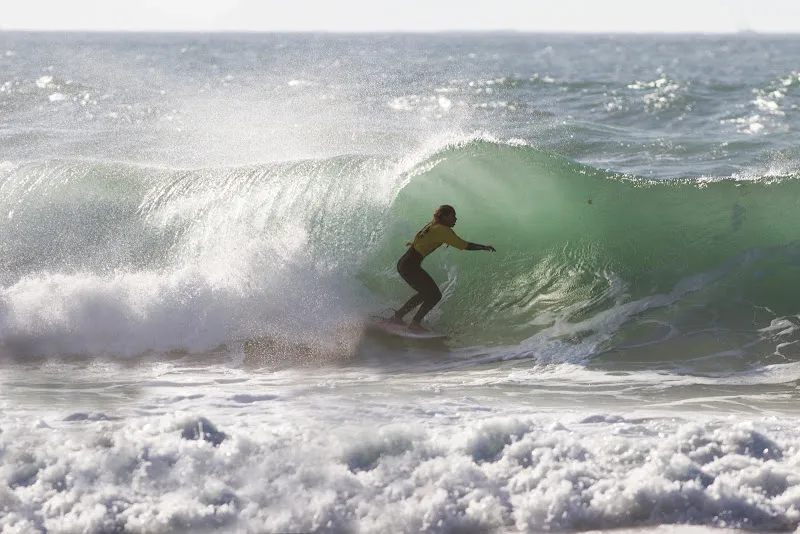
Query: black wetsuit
{"type": "Point", "coordinates": [428, 295]}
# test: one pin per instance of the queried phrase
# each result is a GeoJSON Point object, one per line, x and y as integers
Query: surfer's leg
{"type": "Point", "coordinates": [412, 303]}
{"type": "Point", "coordinates": [430, 294]}
{"type": "Point", "coordinates": [411, 271]}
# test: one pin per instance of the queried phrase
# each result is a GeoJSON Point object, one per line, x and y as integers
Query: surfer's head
{"type": "Point", "coordinates": [445, 215]}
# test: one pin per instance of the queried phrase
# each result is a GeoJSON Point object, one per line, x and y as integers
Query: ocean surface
{"type": "Point", "coordinates": [196, 229]}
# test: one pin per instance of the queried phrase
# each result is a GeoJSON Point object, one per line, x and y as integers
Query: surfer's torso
{"type": "Point", "coordinates": [434, 235]}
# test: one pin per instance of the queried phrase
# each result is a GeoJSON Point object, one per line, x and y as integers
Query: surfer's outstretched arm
{"type": "Point", "coordinates": [449, 237]}
{"type": "Point", "coordinates": [475, 246]}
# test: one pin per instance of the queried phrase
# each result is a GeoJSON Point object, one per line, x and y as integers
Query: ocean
{"type": "Point", "coordinates": [196, 229]}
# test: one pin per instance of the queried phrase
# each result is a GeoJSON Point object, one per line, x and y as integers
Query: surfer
{"type": "Point", "coordinates": [436, 233]}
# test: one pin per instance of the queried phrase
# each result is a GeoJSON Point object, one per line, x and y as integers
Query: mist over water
{"type": "Point", "coordinates": [195, 229]}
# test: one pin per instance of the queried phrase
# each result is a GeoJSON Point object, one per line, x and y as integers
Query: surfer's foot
{"type": "Point", "coordinates": [394, 319]}
{"type": "Point", "coordinates": [416, 327]}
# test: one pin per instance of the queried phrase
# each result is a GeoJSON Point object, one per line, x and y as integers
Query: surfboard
{"type": "Point", "coordinates": [402, 330]}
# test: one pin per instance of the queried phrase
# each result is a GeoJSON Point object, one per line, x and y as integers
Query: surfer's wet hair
{"type": "Point", "coordinates": [443, 211]}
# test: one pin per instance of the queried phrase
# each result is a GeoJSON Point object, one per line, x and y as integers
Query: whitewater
{"type": "Point", "coordinates": [195, 231]}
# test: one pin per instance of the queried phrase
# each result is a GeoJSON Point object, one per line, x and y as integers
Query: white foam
{"type": "Point", "coordinates": [191, 309]}
{"type": "Point", "coordinates": [339, 466]}
{"type": "Point", "coordinates": [44, 82]}
{"type": "Point", "coordinates": [7, 167]}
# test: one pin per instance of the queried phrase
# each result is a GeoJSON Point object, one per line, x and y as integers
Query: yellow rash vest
{"type": "Point", "coordinates": [435, 235]}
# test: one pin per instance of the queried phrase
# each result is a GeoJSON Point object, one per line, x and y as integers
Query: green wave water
{"type": "Point", "coordinates": [575, 243]}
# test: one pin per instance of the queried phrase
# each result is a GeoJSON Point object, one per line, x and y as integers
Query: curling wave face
{"type": "Point", "coordinates": [218, 254]}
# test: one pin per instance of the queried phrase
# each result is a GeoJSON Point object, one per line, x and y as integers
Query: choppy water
{"type": "Point", "coordinates": [194, 228]}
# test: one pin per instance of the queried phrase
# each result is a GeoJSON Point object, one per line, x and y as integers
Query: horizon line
{"type": "Point", "coordinates": [747, 32]}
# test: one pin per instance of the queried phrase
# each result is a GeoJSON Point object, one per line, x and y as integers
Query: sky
{"type": "Point", "coordinates": [703, 16]}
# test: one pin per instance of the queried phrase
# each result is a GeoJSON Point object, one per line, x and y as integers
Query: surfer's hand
{"type": "Point", "coordinates": [489, 247]}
